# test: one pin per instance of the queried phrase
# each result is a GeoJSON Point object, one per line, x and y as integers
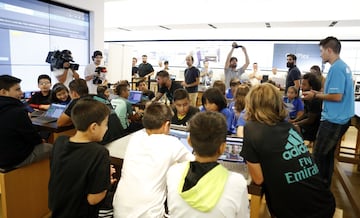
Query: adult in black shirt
{"type": "Point", "coordinates": [166, 86]}
{"type": "Point", "coordinates": [192, 80]}
{"type": "Point", "coordinates": [293, 77]}
{"type": "Point", "coordinates": [146, 70]}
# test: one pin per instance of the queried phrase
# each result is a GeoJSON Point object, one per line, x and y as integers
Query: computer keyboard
{"type": "Point", "coordinates": [237, 167]}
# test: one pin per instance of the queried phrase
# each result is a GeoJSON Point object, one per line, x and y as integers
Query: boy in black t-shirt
{"type": "Point", "coordinates": [41, 100]}
{"type": "Point", "coordinates": [183, 111]}
{"type": "Point", "coordinates": [278, 160]}
{"type": "Point", "coordinates": [80, 167]}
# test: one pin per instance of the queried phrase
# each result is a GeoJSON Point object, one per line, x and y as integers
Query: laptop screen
{"type": "Point", "coordinates": [135, 96]}
{"type": "Point", "coordinates": [55, 110]}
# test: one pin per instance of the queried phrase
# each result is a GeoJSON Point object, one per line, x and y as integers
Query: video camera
{"type": "Point", "coordinates": [97, 79]}
{"type": "Point", "coordinates": [57, 58]}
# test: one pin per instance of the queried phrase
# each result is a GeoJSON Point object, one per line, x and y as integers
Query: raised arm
{"type": "Point", "coordinates": [227, 62]}
{"type": "Point", "coordinates": [247, 61]}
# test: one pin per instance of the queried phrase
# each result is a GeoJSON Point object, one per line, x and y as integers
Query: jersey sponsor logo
{"type": "Point", "coordinates": [295, 146]}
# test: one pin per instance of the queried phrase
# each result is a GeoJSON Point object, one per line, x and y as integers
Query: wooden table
{"type": "Point", "coordinates": [54, 130]}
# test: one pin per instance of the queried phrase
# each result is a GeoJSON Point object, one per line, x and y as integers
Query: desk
{"type": "Point", "coordinates": [54, 130]}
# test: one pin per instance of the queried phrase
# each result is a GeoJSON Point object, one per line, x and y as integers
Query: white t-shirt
{"type": "Point", "coordinates": [233, 202]}
{"type": "Point", "coordinates": [141, 191]}
{"type": "Point", "coordinates": [90, 71]}
{"type": "Point", "coordinates": [69, 76]}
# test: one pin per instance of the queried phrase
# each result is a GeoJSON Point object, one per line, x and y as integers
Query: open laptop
{"type": "Point", "coordinates": [178, 127]}
{"type": "Point", "coordinates": [51, 115]}
{"type": "Point", "coordinates": [231, 158]}
{"type": "Point", "coordinates": [135, 96]}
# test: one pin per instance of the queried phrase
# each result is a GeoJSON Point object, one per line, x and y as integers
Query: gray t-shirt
{"type": "Point", "coordinates": [230, 73]}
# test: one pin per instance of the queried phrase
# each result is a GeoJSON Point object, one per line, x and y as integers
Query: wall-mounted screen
{"type": "Point", "coordinates": [29, 29]}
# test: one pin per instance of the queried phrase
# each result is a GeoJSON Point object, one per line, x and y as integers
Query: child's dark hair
{"type": "Point", "coordinates": [100, 90]}
{"type": "Point", "coordinates": [295, 90]}
{"type": "Point", "coordinates": [213, 95]}
{"type": "Point", "coordinates": [180, 94]}
{"type": "Point", "coordinates": [44, 76]}
{"type": "Point", "coordinates": [7, 81]}
{"type": "Point", "coordinates": [58, 87]}
{"type": "Point", "coordinates": [207, 132]}
{"type": "Point", "coordinates": [79, 86]}
{"type": "Point", "coordinates": [88, 111]}
{"type": "Point", "coordinates": [156, 114]}
{"type": "Point", "coordinates": [313, 80]}
{"type": "Point", "coordinates": [121, 87]}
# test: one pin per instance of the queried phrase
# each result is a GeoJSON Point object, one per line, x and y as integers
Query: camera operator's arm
{"type": "Point", "coordinates": [75, 74]}
{"type": "Point", "coordinates": [62, 77]}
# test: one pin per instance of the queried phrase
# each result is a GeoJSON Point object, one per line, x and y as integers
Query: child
{"type": "Point", "coordinates": [60, 94]}
{"type": "Point", "coordinates": [20, 142]}
{"type": "Point", "coordinates": [279, 160]}
{"type": "Point", "coordinates": [80, 171]}
{"type": "Point", "coordinates": [183, 111]}
{"type": "Point", "coordinates": [41, 100]}
{"type": "Point", "coordinates": [213, 100]}
{"type": "Point", "coordinates": [234, 83]}
{"type": "Point", "coordinates": [121, 105]}
{"type": "Point", "coordinates": [238, 107]}
{"type": "Point", "coordinates": [103, 91]}
{"type": "Point", "coordinates": [147, 94]}
{"type": "Point", "coordinates": [293, 103]}
{"type": "Point", "coordinates": [204, 188]}
{"type": "Point", "coordinates": [141, 191]}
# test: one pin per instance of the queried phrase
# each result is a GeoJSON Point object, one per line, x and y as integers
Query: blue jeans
{"type": "Point", "coordinates": [328, 136]}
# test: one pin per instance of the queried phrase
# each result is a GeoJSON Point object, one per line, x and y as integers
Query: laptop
{"type": "Point", "coordinates": [135, 96]}
{"type": "Point", "coordinates": [230, 159]}
{"type": "Point", "coordinates": [51, 115]}
{"type": "Point", "coordinates": [178, 127]}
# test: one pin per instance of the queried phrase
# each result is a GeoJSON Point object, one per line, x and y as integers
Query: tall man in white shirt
{"type": "Point", "coordinates": [93, 78]}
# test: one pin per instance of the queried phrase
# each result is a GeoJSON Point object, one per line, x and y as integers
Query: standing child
{"type": "Point", "coordinates": [60, 94]}
{"type": "Point", "coordinates": [204, 188]}
{"type": "Point", "coordinates": [279, 160]}
{"type": "Point", "coordinates": [141, 191]}
{"type": "Point", "coordinates": [293, 103]}
{"type": "Point", "coordinates": [80, 171]}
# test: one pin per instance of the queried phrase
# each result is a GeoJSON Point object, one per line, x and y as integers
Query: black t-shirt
{"type": "Point", "coordinates": [190, 76]}
{"type": "Point", "coordinates": [192, 111]}
{"type": "Point", "coordinates": [39, 98]}
{"type": "Point", "coordinates": [314, 107]}
{"type": "Point", "coordinates": [145, 69]}
{"type": "Point", "coordinates": [292, 184]}
{"type": "Point", "coordinates": [134, 70]}
{"type": "Point", "coordinates": [170, 92]}
{"type": "Point", "coordinates": [293, 74]}
{"type": "Point", "coordinates": [76, 170]}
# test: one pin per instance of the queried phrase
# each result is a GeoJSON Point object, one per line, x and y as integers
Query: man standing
{"type": "Point", "coordinates": [231, 64]}
{"type": "Point", "coordinates": [192, 80]}
{"type": "Point", "coordinates": [92, 77]}
{"type": "Point", "coordinates": [146, 70]}
{"type": "Point", "coordinates": [338, 106]}
{"type": "Point", "coordinates": [293, 77]}
{"type": "Point", "coordinates": [134, 68]}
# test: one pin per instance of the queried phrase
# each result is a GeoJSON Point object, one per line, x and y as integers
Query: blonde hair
{"type": "Point", "coordinates": [264, 104]}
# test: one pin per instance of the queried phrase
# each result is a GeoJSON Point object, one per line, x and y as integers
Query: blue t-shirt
{"type": "Point", "coordinates": [229, 120]}
{"type": "Point", "coordinates": [241, 120]}
{"type": "Point", "coordinates": [229, 94]}
{"type": "Point", "coordinates": [294, 106]}
{"type": "Point", "coordinates": [339, 81]}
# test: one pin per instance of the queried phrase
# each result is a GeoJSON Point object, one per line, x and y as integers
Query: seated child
{"type": "Point", "coordinates": [279, 160]}
{"type": "Point", "coordinates": [234, 83]}
{"type": "Point", "coordinates": [80, 171]}
{"type": "Point", "coordinates": [20, 142]}
{"type": "Point", "coordinates": [213, 100]}
{"type": "Point", "coordinates": [147, 94]}
{"type": "Point", "coordinates": [60, 94]}
{"type": "Point", "coordinates": [141, 191]}
{"type": "Point", "coordinates": [103, 91]}
{"type": "Point", "coordinates": [204, 188]}
{"type": "Point", "coordinates": [41, 100]}
{"type": "Point", "coordinates": [293, 103]}
{"type": "Point", "coordinates": [183, 111]}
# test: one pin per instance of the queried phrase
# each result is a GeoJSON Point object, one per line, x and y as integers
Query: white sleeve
{"type": "Point", "coordinates": [181, 154]}
{"type": "Point", "coordinates": [58, 72]}
{"type": "Point", "coordinates": [88, 71]}
{"type": "Point", "coordinates": [244, 208]}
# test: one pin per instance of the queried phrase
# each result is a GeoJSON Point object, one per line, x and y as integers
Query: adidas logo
{"type": "Point", "coordinates": [295, 146]}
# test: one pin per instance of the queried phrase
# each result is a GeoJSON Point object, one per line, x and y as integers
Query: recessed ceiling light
{"type": "Point", "coordinates": [164, 27]}
{"type": "Point", "coordinates": [120, 28]}
{"type": "Point", "coordinates": [212, 26]}
{"type": "Point", "coordinates": [267, 25]}
{"type": "Point", "coordinates": [333, 23]}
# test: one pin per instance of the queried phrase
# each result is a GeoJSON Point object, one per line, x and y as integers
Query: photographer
{"type": "Point", "coordinates": [64, 72]}
{"type": "Point", "coordinates": [94, 74]}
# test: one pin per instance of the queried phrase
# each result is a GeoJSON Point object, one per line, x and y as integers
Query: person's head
{"type": "Point", "coordinates": [189, 60]}
{"type": "Point", "coordinates": [166, 65]}
{"type": "Point", "coordinates": [292, 92]}
{"type": "Point", "coordinates": [122, 90]}
{"type": "Point", "coordinates": [97, 57]}
{"type": "Point", "coordinates": [103, 91]}
{"type": "Point", "coordinates": [206, 63]}
{"type": "Point", "coordinates": [315, 69]}
{"type": "Point", "coordinates": [213, 100]}
{"type": "Point", "coordinates": [207, 134]}
{"type": "Point", "coordinates": [44, 82]}
{"type": "Point", "coordinates": [134, 61]}
{"type": "Point", "coordinates": [157, 116]}
{"type": "Point", "coordinates": [239, 96]}
{"type": "Point", "coordinates": [233, 62]}
{"type": "Point", "coordinates": [91, 116]}
{"type": "Point", "coordinates": [162, 78]}
{"type": "Point", "coordinates": [141, 85]}
{"type": "Point", "coordinates": [310, 82]}
{"type": "Point", "coordinates": [59, 93]}
{"type": "Point", "coordinates": [255, 66]}
{"type": "Point", "coordinates": [274, 70]}
{"type": "Point", "coordinates": [264, 103]}
{"type": "Point", "coordinates": [330, 48]}
{"type": "Point", "coordinates": [181, 101]}
{"type": "Point", "coordinates": [235, 149]}
{"type": "Point", "coordinates": [10, 86]}
{"type": "Point", "coordinates": [160, 63]}
{"type": "Point", "coordinates": [78, 88]}
{"type": "Point", "coordinates": [144, 59]}
{"type": "Point", "coordinates": [220, 85]}
{"type": "Point", "coordinates": [291, 60]}
{"type": "Point", "coordinates": [234, 83]}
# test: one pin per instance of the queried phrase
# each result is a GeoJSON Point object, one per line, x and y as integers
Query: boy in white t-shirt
{"type": "Point", "coordinates": [204, 188]}
{"type": "Point", "coordinates": [141, 191]}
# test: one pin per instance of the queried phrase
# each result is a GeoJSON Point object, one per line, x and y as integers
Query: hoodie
{"type": "Point", "coordinates": [18, 136]}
